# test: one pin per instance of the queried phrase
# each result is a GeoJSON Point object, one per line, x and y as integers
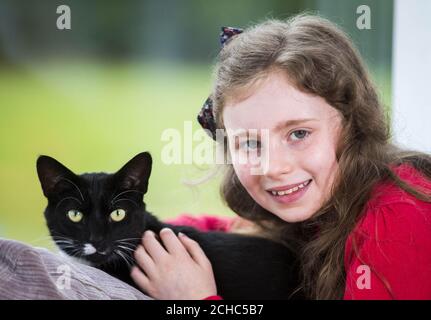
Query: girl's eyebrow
{"type": "Point", "coordinates": [278, 127]}
{"type": "Point", "coordinates": [293, 122]}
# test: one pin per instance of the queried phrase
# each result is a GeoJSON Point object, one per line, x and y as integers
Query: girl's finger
{"type": "Point", "coordinates": [171, 242]}
{"type": "Point", "coordinates": [153, 246]}
{"type": "Point", "coordinates": [145, 261]}
{"type": "Point", "coordinates": [140, 279]}
{"type": "Point", "coordinates": [195, 250]}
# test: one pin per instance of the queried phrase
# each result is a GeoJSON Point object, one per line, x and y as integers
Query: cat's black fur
{"type": "Point", "coordinates": [245, 267]}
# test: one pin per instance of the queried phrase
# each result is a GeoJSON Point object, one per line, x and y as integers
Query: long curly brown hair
{"type": "Point", "coordinates": [319, 59]}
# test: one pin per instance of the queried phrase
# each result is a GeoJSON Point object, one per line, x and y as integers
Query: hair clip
{"type": "Point", "coordinates": [227, 33]}
{"type": "Point", "coordinates": [206, 118]}
{"type": "Point", "coordinates": [206, 115]}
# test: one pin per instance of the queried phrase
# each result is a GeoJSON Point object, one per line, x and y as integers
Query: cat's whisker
{"type": "Point", "coordinates": [58, 241]}
{"type": "Point", "coordinates": [65, 249]}
{"type": "Point", "coordinates": [72, 183]}
{"type": "Point", "coordinates": [129, 239]}
{"type": "Point", "coordinates": [118, 252]}
{"type": "Point", "coordinates": [127, 191]}
{"type": "Point", "coordinates": [124, 199]}
{"type": "Point", "coordinates": [127, 242]}
{"type": "Point", "coordinates": [66, 246]}
{"type": "Point", "coordinates": [126, 248]}
{"type": "Point", "coordinates": [75, 252]}
{"type": "Point", "coordinates": [63, 241]}
{"type": "Point", "coordinates": [129, 245]}
{"type": "Point", "coordinates": [59, 237]}
{"type": "Point", "coordinates": [76, 199]}
{"type": "Point", "coordinates": [72, 245]}
{"type": "Point", "coordinates": [130, 257]}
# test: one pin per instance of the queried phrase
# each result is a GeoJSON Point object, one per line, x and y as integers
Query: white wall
{"type": "Point", "coordinates": [411, 98]}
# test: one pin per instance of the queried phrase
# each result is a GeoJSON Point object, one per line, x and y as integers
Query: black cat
{"type": "Point", "coordinates": [101, 218]}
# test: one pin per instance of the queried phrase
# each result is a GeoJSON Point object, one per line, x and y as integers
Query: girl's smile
{"type": "Point", "coordinates": [287, 194]}
{"type": "Point", "coordinates": [300, 147]}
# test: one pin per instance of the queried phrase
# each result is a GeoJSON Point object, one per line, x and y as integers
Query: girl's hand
{"type": "Point", "coordinates": [181, 271]}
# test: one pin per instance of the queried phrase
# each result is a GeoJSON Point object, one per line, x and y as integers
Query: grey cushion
{"type": "Point", "coordinates": [35, 273]}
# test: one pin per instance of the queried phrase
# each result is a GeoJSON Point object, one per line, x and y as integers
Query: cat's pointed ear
{"type": "Point", "coordinates": [50, 172]}
{"type": "Point", "coordinates": [136, 173]}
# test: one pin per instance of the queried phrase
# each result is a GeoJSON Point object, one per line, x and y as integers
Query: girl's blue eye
{"type": "Point", "coordinates": [299, 134]}
{"type": "Point", "coordinates": [250, 144]}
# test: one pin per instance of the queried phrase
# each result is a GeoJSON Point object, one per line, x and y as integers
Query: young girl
{"type": "Point", "coordinates": [357, 208]}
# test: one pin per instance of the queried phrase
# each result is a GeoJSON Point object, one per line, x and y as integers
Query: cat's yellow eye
{"type": "Point", "coordinates": [118, 214]}
{"type": "Point", "coordinates": [75, 215]}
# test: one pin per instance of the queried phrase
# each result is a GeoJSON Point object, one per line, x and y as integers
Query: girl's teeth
{"type": "Point", "coordinates": [289, 191]}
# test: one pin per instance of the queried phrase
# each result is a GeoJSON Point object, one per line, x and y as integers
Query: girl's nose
{"type": "Point", "coordinates": [279, 162]}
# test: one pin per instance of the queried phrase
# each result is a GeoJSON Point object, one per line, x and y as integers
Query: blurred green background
{"type": "Point", "coordinates": [98, 94]}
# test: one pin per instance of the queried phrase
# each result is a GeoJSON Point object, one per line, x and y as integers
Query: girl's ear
{"type": "Point", "coordinates": [50, 172]}
{"type": "Point", "coordinates": [136, 173]}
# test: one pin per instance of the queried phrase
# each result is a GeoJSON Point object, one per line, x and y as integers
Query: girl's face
{"type": "Point", "coordinates": [296, 140]}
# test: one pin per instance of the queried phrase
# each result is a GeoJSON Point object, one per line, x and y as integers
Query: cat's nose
{"type": "Point", "coordinates": [96, 239]}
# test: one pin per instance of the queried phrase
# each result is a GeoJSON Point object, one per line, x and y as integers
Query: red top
{"type": "Point", "coordinates": [392, 259]}
{"type": "Point", "coordinates": [202, 222]}
{"type": "Point", "coordinates": [393, 241]}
